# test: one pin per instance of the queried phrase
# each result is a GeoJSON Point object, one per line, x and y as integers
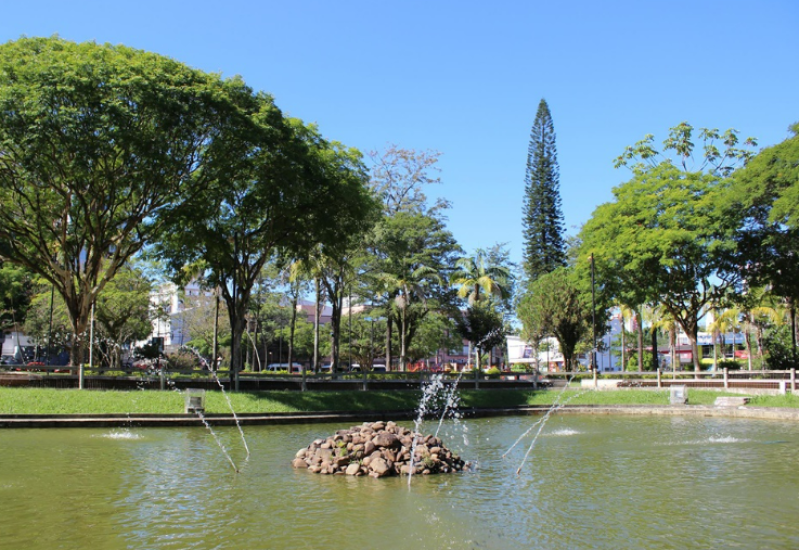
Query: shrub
{"type": "Point", "coordinates": [493, 372]}
{"type": "Point", "coordinates": [521, 367]}
{"type": "Point", "coordinates": [182, 360]}
{"type": "Point", "coordinates": [730, 364]}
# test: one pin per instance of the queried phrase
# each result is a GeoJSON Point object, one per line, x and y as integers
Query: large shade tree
{"type": "Point", "coordinates": [767, 192]}
{"type": "Point", "coordinates": [664, 239]}
{"type": "Point", "coordinates": [99, 146]}
{"type": "Point", "coordinates": [287, 191]}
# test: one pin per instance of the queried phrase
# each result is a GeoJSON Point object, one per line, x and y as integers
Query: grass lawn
{"type": "Point", "coordinates": [70, 401]}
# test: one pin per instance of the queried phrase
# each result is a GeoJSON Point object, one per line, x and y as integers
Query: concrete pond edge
{"type": "Point", "coordinates": [253, 419]}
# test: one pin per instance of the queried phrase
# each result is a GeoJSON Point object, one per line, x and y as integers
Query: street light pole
{"type": "Point", "coordinates": [593, 316]}
{"type": "Point", "coordinates": [50, 330]}
{"type": "Point", "coordinates": [349, 324]}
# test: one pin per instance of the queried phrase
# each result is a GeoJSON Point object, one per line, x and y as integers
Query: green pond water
{"type": "Point", "coordinates": [605, 482]}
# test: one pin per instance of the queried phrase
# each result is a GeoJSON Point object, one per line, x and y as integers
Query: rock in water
{"type": "Point", "coordinates": [386, 450]}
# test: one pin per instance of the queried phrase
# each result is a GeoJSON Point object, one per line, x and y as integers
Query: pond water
{"type": "Point", "coordinates": [605, 482]}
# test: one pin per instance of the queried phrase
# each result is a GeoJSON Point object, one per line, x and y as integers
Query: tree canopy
{"type": "Point", "coordinates": [555, 305]}
{"type": "Point", "coordinates": [665, 238]}
{"type": "Point", "coordinates": [99, 146]}
{"type": "Point", "coordinates": [286, 191]}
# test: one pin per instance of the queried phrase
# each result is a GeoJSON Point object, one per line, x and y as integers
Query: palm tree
{"type": "Point", "coordinates": [480, 281]}
{"type": "Point", "coordinates": [625, 310]}
{"type": "Point", "coordinates": [663, 321]}
{"type": "Point", "coordinates": [477, 280]}
{"type": "Point", "coordinates": [759, 310]}
{"type": "Point", "coordinates": [414, 285]}
{"type": "Point", "coordinates": [728, 320]}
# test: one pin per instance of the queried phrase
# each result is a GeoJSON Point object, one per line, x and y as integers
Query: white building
{"type": "Point", "coordinates": [550, 357]}
{"type": "Point", "coordinates": [169, 327]}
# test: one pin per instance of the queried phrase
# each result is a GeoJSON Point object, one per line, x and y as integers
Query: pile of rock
{"type": "Point", "coordinates": [377, 449]}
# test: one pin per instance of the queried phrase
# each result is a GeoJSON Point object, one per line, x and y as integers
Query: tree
{"type": "Point", "coordinates": [478, 280]}
{"type": "Point", "coordinates": [288, 191]}
{"type": "Point", "coordinates": [15, 294]}
{"type": "Point", "coordinates": [484, 327]}
{"type": "Point", "coordinates": [554, 304]}
{"type": "Point", "coordinates": [398, 178]}
{"type": "Point", "coordinates": [123, 314]}
{"type": "Point", "coordinates": [48, 327]}
{"type": "Point", "coordinates": [99, 146]}
{"type": "Point", "coordinates": [435, 332]}
{"type": "Point", "coordinates": [760, 310]}
{"type": "Point", "coordinates": [662, 320]}
{"type": "Point", "coordinates": [364, 343]}
{"type": "Point", "coordinates": [542, 218]}
{"type": "Point", "coordinates": [339, 269]}
{"type": "Point", "coordinates": [312, 267]}
{"type": "Point", "coordinates": [767, 192]}
{"type": "Point", "coordinates": [303, 339]}
{"type": "Point", "coordinates": [664, 239]}
{"type": "Point", "coordinates": [398, 247]}
{"type": "Point", "coordinates": [201, 320]}
{"type": "Point", "coordinates": [413, 286]}
{"type": "Point", "coordinates": [410, 234]}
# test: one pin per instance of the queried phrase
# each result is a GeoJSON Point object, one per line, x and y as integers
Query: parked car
{"type": "Point", "coordinates": [277, 367]}
{"type": "Point", "coordinates": [378, 368]}
{"type": "Point", "coordinates": [7, 360]}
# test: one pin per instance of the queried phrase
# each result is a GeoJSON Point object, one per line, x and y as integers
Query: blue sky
{"type": "Point", "coordinates": [465, 78]}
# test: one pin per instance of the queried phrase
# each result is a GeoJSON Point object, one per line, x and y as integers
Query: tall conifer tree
{"type": "Point", "coordinates": [544, 246]}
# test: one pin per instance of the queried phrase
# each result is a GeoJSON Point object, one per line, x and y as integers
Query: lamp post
{"type": "Point", "coordinates": [50, 330]}
{"type": "Point", "coordinates": [349, 325]}
{"type": "Point", "coordinates": [593, 316]}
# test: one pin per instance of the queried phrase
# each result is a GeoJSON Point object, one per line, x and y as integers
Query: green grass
{"type": "Point", "coordinates": [787, 401]}
{"type": "Point", "coordinates": [56, 401]}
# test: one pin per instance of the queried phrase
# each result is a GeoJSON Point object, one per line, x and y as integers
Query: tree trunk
{"type": "Point", "coordinates": [792, 311]}
{"type": "Point", "coordinates": [335, 322]}
{"type": "Point", "coordinates": [402, 338]}
{"type": "Point", "coordinates": [389, 328]}
{"type": "Point", "coordinates": [623, 347]}
{"type": "Point", "coordinates": [237, 326]}
{"type": "Point", "coordinates": [292, 324]}
{"type": "Point", "coordinates": [655, 364]}
{"type": "Point", "coordinates": [692, 337]}
{"type": "Point", "coordinates": [673, 347]}
{"type": "Point", "coordinates": [748, 345]}
{"type": "Point", "coordinates": [640, 325]}
{"type": "Point", "coordinates": [316, 318]}
{"type": "Point", "coordinates": [215, 350]}
{"type": "Point", "coordinates": [77, 352]}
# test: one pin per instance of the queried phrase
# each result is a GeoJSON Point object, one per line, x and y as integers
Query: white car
{"type": "Point", "coordinates": [278, 367]}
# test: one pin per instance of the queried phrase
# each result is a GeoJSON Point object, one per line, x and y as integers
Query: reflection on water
{"type": "Point", "coordinates": [592, 482]}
